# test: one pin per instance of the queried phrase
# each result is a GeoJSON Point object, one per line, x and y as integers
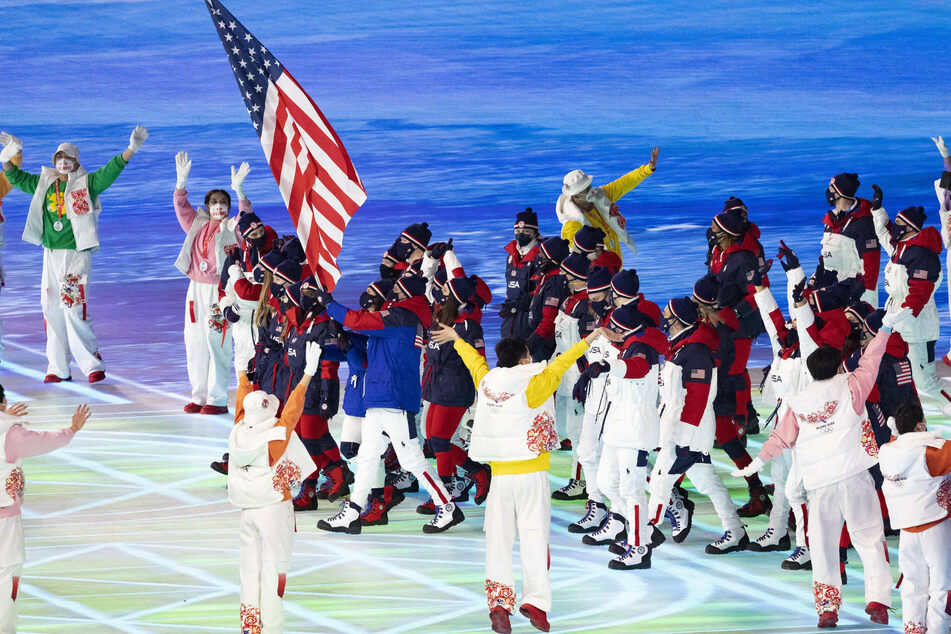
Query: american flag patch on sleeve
{"type": "Point", "coordinates": [903, 373]}
{"type": "Point", "coordinates": [551, 301]}
{"type": "Point", "coordinates": [871, 244]}
{"type": "Point", "coordinates": [919, 274]}
{"type": "Point", "coordinates": [699, 373]}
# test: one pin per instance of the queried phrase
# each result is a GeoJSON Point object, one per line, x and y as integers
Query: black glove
{"type": "Point", "coordinates": [580, 390]}
{"type": "Point", "coordinates": [437, 250]}
{"type": "Point", "coordinates": [597, 369]}
{"type": "Point", "coordinates": [876, 197]}
{"type": "Point", "coordinates": [324, 298]}
{"type": "Point", "coordinates": [856, 288]}
{"type": "Point", "coordinates": [798, 290]}
{"type": "Point", "coordinates": [231, 314]}
{"type": "Point", "coordinates": [523, 303]}
{"type": "Point", "coordinates": [787, 257]}
{"type": "Point", "coordinates": [761, 270]}
{"type": "Point", "coordinates": [507, 309]}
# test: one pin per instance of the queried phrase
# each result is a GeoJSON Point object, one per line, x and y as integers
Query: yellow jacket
{"type": "Point", "coordinates": [614, 190]}
{"type": "Point", "coordinates": [5, 185]}
{"type": "Point", "coordinates": [539, 390]}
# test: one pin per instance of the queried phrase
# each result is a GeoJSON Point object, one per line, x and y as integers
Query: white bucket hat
{"type": "Point", "coordinates": [576, 181]}
{"type": "Point", "coordinates": [69, 150]}
{"type": "Point", "coordinates": [260, 408]}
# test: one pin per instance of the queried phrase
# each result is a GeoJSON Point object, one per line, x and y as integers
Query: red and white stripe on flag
{"type": "Point", "coordinates": [319, 184]}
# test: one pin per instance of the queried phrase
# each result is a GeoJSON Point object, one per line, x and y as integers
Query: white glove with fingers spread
{"type": "Point", "coordinates": [138, 137]}
{"type": "Point", "coordinates": [237, 179]}
{"type": "Point", "coordinates": [939, 141]}
{"type": "Point", "coordinates": [182, 167]}
{"type": "Point", "coordinates": [11, 147]}
{"type": "Point", "coordinates": [894, 316]}
{"type": "Point", "coordinates": [312, 357]}
{"type": "Point", "coordinates": [235, 272]}
{"type": "Point", "coordinates": [753, 468]}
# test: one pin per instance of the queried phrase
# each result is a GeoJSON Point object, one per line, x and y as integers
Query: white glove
{"type": "Point", "coordinates": [139, 135]}
{"type": "Point", "coordinates": [890, 423]}
{"type": "Point", "coordinates": [232, 223]}
{"type": "Point", "coordinates": [182, 167]}
{"type": "Point", "coordinates": [235, 273]}
{"type": "Point", "coordinates": [894, 316]}
{"type": "Point", "coordinates": [11, 147]}
{"type": "Point", "coordinates": [312, 356]}
{"type": "Point", "coordinates": [939, 141]}
{"type": "Point", "coordinates": [237, 179]}
{"type": "Point", "coordinates": [753, 468]}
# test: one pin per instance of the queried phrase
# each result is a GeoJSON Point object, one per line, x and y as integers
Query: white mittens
{"type": "Point", "coordinates": [138, 137]}
{"type": "Point", "coordinates": [237, 179]}
{"type": "Point", "coordinates": [182, 167]}
{"type": "Point", "coordinates": [11, 147]}
{"type": "Point", "coordinates": [312, 358]}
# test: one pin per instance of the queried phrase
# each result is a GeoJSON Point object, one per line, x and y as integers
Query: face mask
{"type": "Point", "coordinates": [898, 232]}
{"type": "Point", "coordinates": [258, 274]}
{"type": "Point", "coordinates": [218, 211]}
{"type": "Point", "coordinates": [368, 300]}
{"type": "Point", "coordinates": [388, 272]}
{"type": "Point", "coordinates": [524, 239]}
{"type": "Point", "coordinates": [308, 304]}
{"type": "Point", "coordinates": [65, 165]}
{"type": "Point", "coordinates": [402, 250]}
{"type": "Point", "coordinates": [600, 308]}
{"type": "Point", "coordinates": [438, 296]}
{"type": "Point", "coordinates": [830, 197]}
{"type": "Point", "coordinates": [711, 238]}
{"type": "Point", "coordinates": [276, 290]}
{"type": "Point", "coordinates": [547, 265]}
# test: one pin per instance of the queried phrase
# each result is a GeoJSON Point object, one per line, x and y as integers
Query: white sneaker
{"type": "Point", "coordinates": [346, 521]}
{"type": "Point", "coordinates": [447, 516]}
{"type": "Point", "coordinates": [680, 514]}
{"type": "Point", "coordinates": [574, 490]}
{"type": "Point", "coordinates": [613, 529]}
{"type": "Point", "coordinates": [770, 541]}
{"type": "Point", "coordinates": [732, 541]}
{"type": "Point", "coordinates": [592, 519]}
{"type": "Point", "coordinates": [799, 560]}
{"type": "Point", "coordinates": [636, 558]}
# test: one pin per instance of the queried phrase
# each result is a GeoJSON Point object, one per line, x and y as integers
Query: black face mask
{"type": "Point", "coordinates": [389, 273]}
{"type": "Point", "coordinates": [898, 232]}
{"type": "Point", "coordinates": [258, 243]}
{"type": "Point", "coordinates": [277, 290]}
{"type": "Point", "coordinates": [369, 300]}
{"type": "Point", "coordinates": [392, 297]}
{"type": "Point", "coordinates": [258, 274]}
{"type": "Point", "coordinates": [523, 239]}
{"type": "Point", "coordinates": [438, 296]}
{"type": "Point", "coordinates": [711, 238]}
{"type": "Point", "coordinates": [308, 304]}
{"type": "Point", "coordinates": [600, 308]}
{"type": "Point", "coordinates": [830, 197]}
{"type": "Point", "coordinates": [547, 265]}
{"type": "Point", "coordinates": [401, 250]}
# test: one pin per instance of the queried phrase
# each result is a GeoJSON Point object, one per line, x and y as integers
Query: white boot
{"type": "Point", "coordinates": [680, 514]}
{"type": "Point", "coordinates": [574, 490]}
{"type": "Point", "coordinates": [732, 541]}
{"type": "Point", "coordinates": [592, 519]}
{"type": "Point", "coordinates": [447, 516]}
{"type": "Point", "coordinates": [771, 541]}
{"type": "Point", "coordinates": [403, 481]}
{"type": "Point", "coordinates": [636, 558]}
{"type": "Point", "coordinates": [613, 529]}
{"type": "Point", "coordinates": [799, 560]}
{"type": "Point", "coordinates": [346, 521]}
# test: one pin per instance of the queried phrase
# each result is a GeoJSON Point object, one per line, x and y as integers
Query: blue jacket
{"type": "Point", "coordinates": [356, 358]}
{"type": "Point", "coordinates": [395, 340]}
{"type": "Point", "coordinates": [446, 379]}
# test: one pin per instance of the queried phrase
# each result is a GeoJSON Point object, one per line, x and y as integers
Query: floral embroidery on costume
{"type": "Point", "coordinates": [498, 398]}
{"type": "Point", "coordinates": [541, 435]}
{"type": "Point", "coordinates": [15, 483]}
{"type": "Point", "coordinates": [915, 628]}
{"type": "Point", "coordinates": [500, 595]}
{"type": "Point", "coordinates": [71, 290]}
{"type": "Point", "coordinates": [286, 475]}
{"type": "Point", "coordinates": [250, 619]}
{"type": "Point", "coordinates": [821, 415]}
{"type": "Point", "coordinates": [80, 205]}
{"type": "Point", "coordinates": [217, 321]}
{"type": "Point", "coordinates": [828, 597]}
{"type": "Point", "coordinates": [868, 439]}
{"type": "Point", "coordinates": [944, 494]}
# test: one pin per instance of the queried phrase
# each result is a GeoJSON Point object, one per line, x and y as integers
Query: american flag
{"type": "Point", "coordinates": [903, 373]}
{"type": "Point", "coordinates": [319, 184]}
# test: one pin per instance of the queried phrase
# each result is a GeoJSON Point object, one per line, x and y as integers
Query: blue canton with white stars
{"type": "Point", "coordinates": [251, 62]}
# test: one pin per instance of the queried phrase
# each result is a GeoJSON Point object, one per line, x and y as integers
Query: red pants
{"type": "Point", "coordinates": [441, 423]}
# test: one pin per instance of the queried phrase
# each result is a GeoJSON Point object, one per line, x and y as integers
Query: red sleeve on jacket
{"type": "Point", "coordinates": [873, 261]}
{"type": "Point", "coordinates": [362, 320]}
{"type": "Point", "coordinates": [546, 329]}
{"type": "Point", "coordinates": [637, 367]}
{"type": "Point", "coordinates": [695, 403]}
{"type": "Point", "coordinates": [919, 292]}
{"type": "Point", "coordinates": [779, 322]}
{"type": "Point", "coordinates": [246, 290]}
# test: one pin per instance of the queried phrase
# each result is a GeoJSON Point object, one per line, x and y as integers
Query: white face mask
{"type": "Point", "coordinates": [218, 211]}
{"type": "Point", "coordinates": [65, 165]}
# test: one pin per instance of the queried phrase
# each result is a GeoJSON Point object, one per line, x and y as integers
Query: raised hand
{"type": "Point", "coordinates": [137, 138]}
{"type": "Point", "coordinates": [654, 153]}
{"type": "Point", "coordinates": [787, 257]}
{"type": "Point", "coordinates": [80, 417]}
{"type": "Point", "coordinates": [11, 147]}
{"type": "Point", "coordinates": [237, 179]}
{"type": "Point", "coordinates": [312, 358]}
{"type": "Point", "coordinates": [942, 148]}
{"type": "Point", "coordinates": [182, 167]}
{"type": "Point", "coordinates": [876, 197]}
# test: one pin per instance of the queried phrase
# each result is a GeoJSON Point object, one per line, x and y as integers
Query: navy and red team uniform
{"type": "Point", "coordinates": [551, 289]}
{"type": "Point", "coordinates": [519, 271]}
{"type": "Point", "coordinates": [857, 225]}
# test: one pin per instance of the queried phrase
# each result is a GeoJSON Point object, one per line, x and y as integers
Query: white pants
{"type": "Point", "coordinates": [267, 535]}
{"type": "Point", "coordinates": [64, 293]}
{"type": "Point", "coordinates": [854, 502]}
{"type": "Point", "coordinates": [924, 373]}
{"type": "Point", "coordinates": [208, 348]}
{"type": "Point", "coordinates": [12, 555]}
{"type": "Point", "coordinates": [925, 561]}
{"type": "Point", "coordinates": [396, 425]}
{"type": "Point", "coordinates": [518, 504]}
{"type": "Point", "coordinates": [624, 482]}
{"type": "Point", "coordinates": [589, 454]}
{"type": "Point", "coordinates": [668, 469]}
{"type": "Point", "coordinates": [242, 333]}
{"type": "Point", "coordinates": [795, 494]}
{"type": "Point", "coordinates": [569, 415]}
{"type": "Point", "coordinates": [779, 472]}
{"type": "Point", "coordinates": [351, 430]}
